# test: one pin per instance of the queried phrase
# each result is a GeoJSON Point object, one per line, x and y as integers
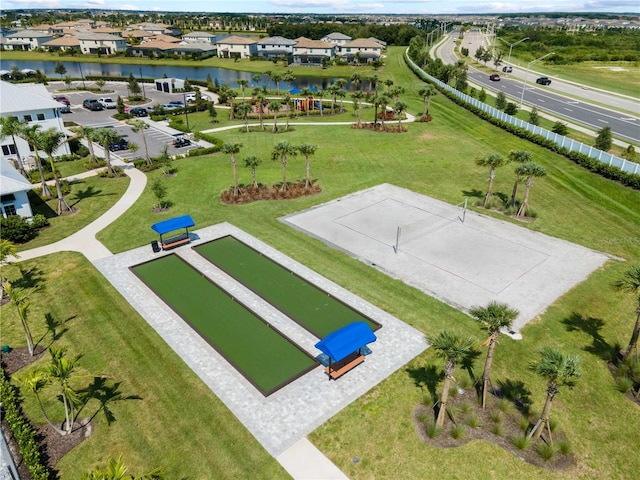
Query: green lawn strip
{"type": "Point", "coordinates": [178, 424]}
{"type": "Point", "coordinates": [311, 307]}
{"type": "Point", "coordinates": [91, 197]}
{"type": "Point", "coordinates": [265, 357]}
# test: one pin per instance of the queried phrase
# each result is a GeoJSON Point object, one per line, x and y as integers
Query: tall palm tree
{"type": "Point", "coordinates": [50, 140]}
{"type": "Point", "coordinates": [243, 110]}
{"type": "Point", "coordinates": [307, 149]}
{"type": "Point", "coordinates": [531, 171]}
{"type": "Point", "coordinates": [357, 98]}
{"type": "Point", "coordinates": [288, 77]}
{"type": "Point", "coordinates": [356, 79]}
{"type": "Point", "coordinates": [61, 370]}
{"type": "Point", "coordinates": [333, 90]}
{"type": "Point", "coordinates": [260, 98]}
{"type": "Point", "coordinates": [630, 282]}
{"type": "Point", "coordinates": [559, 370]}
{"type": "Point", "coordinates": [280, 152]}
{"type": "Point", "coordinates": [288, 101]}
{"type": "Point", "coordinates": [232, 149]}
{"type": "Point", "coordinates": [341, 93]}
{"type": "Point", "coordinates": [274, 106]}
{"type": "Point", "coordinates": [373, 83]}
{"type": "Point", "coordinates": [31, 134]}
{"type": "Point", "coordinates": [35, 381]}
{"type": "Point", "coordinates": [277, 78]}
{"type": "Point", "coordinates": [493, 161]}
{"type": "Point", "coordinates": [495, 316]}
{"type": "Point", "coordinates": [138, 125]}
{"type": "Point", "coordinates": [399, 108]}
{"type": "Point", "coordinates": [88, 134]}
{"type": "Point", "coordinates": [518, 156]}
{"type": "Point", "coordinates": [320, 95]}
{"type": "Point", "coordinates": [256, 79]}
{"type": "Point", "coordinates": [426, 93]}
{"type": "Point", "coordinates": [252, 162]}
{"type": "Point", "coordinates": [383, 101]}
{"type": "Point", "coordinates": [106, 136]}
{"type": "Point", "coordinates": [453, 349]}
{"type": "Point", "coordinates": [18, 297]}
{"type": "Point", "coordinates": [10, 127]}
{"type": "Point", "coordinates": [243, 84]}
{"type": "Point", "coordinates": [395, 92]}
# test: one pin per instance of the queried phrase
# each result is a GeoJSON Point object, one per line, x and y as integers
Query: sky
{"type": "Point", "coordinates": [342, 6]}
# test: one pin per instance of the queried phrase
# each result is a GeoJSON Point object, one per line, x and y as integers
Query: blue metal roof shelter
{"type": "Point", "coordinates": [171, 225]}
{"type": "Point", "coordinates": [343, 342]}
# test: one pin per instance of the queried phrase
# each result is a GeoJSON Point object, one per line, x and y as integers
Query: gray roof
{"type": "Point", "coordinates": [276, 41]}
{"type": "Point", "coordinates": [199, 35]}
{"type": "Point", "coordinates": [29, 33]}
{"type": "Point", "coordinates": [337, 36]}
{"type": "Point", "coordinates": [24, 98]}
{"type": "Point", "coordinates": [10, 180]}
{"type": "Point", "coordinates": [99, 36]}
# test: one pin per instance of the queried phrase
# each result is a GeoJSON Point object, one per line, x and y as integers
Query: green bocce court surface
{"type": "Point", "coordinates": [261, 354]}
{"type": "Point", "coordinates": [311, 307]}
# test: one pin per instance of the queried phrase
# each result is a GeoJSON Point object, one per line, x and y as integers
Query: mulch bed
{"type": "Point", "coordinates": [250, 193]}
{"type": "Point", "coordinates": [423, 416]}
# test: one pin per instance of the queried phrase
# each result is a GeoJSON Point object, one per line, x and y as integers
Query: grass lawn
{"type": "Point", "coordinates": [435, 159]}
{"type": "Point", "coordinates": [91, 196]}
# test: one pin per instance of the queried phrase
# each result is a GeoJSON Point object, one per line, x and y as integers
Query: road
{"type": "Point", "coordinates": [576, 110]}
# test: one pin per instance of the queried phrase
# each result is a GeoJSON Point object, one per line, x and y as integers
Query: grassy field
{"type": "Point", "coordinates": [435, 159]}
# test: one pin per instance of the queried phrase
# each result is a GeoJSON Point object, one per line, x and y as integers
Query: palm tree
{"type": "Point", "coordinates": [341, 93]}
{"type": "Point", "coordinates": [50, 140]}
{"type": "Point", "coordinates": [495, 316]}
{"type": "Point", "coordinates": [252, 162]}
{"type": "Point", "coordinates": [232, 149]}
{"type": "Point", "coordinates": [287, 100]}
{"type": "Point", "coordinates": [518, 156]}
{"type": "Point", "coordinates": [493, 161]}
{"type": "Point", "coordinates": [256, 79]}
{"type": "Point", "coordinates": [356, 79]}
{"type": "Point", "coordinates": [10, 127]}
{"type": "Point", "coordinates": [31, 134]}
{"type": "Point", "coordinates": [383, 101]}
{"type": "Point", "coordinates": [288, 77]}
{"type": "Point", "coordinates": [426, 93]}
{"type": "Point", "coordinates": [106, 136]}
{"type": "Point", "coordinates": [559, 370]}
{"type": "Point", "coordinates": [35, 381]}
{"type": "Point", "coordinates": [280, 152]}
{"type": "Point", "coordinates": [630, 282]}
{"type": "Point", "coordinates": [18, 297]}
{"type": "Point", "coordinates": [277, 78]}
{"type": "Point", "coordinates": [373, 85]}
{"type": "Point", "coordinates": [274, 106]}
{"type": "Point", "coordinates": [395, 92]}
{"type": "Point", "coordinates": [307, 149]}
{"type": "Point", "coordinates": [453, 349]}
{"type": "Point", "coordinates": [320, 95]}
{"type": "Point", "coordinates": [243, 110]}
{"type": "Point", "coordinates": [61, 369]}
{"type": "Point", "coordinates": [260, 98]}
{"type": "Point", "coordinates": [530, 170]}
{"type": "Point", "coordinates": [88, 134]}
{"type": "Point", "coordinates": [138, 125]}
{"type": "Point", "coordinates": [357, 98]}
{"type": "Point", "coordinates": [243, 84]}
{"type": "Point", "coordinates": [399, 108]}
{"type": "Point", "coordinates": [117, 470]}
{"type": "Point", "coordinates": [333, 90]}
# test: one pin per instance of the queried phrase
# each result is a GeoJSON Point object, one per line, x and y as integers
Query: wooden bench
{"type": "Point", "coordinates": [175, 241]}
{"type": "Point", "coordinates": [340, 368]}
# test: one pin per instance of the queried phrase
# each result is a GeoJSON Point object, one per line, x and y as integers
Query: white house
{"type": "Point", "coordinates": [312, 52]}
{"type": "Point", "coordinates": [236, 47]}
{"type": "Point", "coordinates": [13, 192]}
{"type": "Point", "coordinates": [360, 50]}
{"type": "Point", "coordinates": [336, 38]}
{"type": "Point", "coordinates": [104, 43]}
{"type": "Point", "coordinates": [201, 37]}
{"type": "Point", "coordinates": [26, 39]}
{"type": "Point", "coordinates": [274, 47]}
{"type": "Point", "coordinates": [32, 104]}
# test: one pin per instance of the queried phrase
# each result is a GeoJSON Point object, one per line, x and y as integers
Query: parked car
{"type": "Point", "coordinates": [92, 104]}
{"type": "Point", "coordinates": [107, 102]}
{"type": "Point", "coordinates": [181, 141]}
{"type": "Point", "coordinates": [190, 97]}
{"type": "Point", "coordinates": [543, 81]}
{"type": "Point", "coordinates": [62, 99]}
{"type": "Point", "coordinates": [507, 69]}
{"type": "Point", "coordinates": [170, 106]}
{"type": "Point", "coordinates": [64, 108]}
{"type": "Point", "coordinates": [177, 103]}
{"type": "Point", "coordinates": [139, 112]}
{"type": "Point", "coordinates": [121, 144]}
{"type": "Point", "coordinates": [494, 77]}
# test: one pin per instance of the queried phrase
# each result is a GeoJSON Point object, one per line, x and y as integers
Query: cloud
{"type": "Point", "coordinates": [22, 4]}
{"type": "Point", "coordinates": [603, 5]}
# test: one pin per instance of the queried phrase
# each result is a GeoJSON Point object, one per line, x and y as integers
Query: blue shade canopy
{"type": "Point", "coordinates": [343, 342]}
{"type": "Point", "coordinates": [172, 224]}
{"type": "Point", "coordinates": [294, 90]}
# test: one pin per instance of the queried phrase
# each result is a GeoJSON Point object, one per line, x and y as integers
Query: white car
{"type": "Point", "coordinates": [190, 97]}
{"type": "Point", "coordinates": [107, 102]}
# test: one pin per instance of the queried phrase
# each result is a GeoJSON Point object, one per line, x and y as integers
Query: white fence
{"type": "Point", "coordinates": [560, 140]}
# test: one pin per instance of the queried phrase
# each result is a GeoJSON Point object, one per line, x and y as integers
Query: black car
{"type": "Point", "coordinates": [543, 81]}
{"type": "Point", "coordinates": [139, 112]}
{"type": "Point", "coordinates": [181, 141]}
{"type": "Point", "coordinates": [92, 104]}
{"type": "Point", "coordinates": [494, 77]}
{"type": "Point", "coordinates": [122, 144]}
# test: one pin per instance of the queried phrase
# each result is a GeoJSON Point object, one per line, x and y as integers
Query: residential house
{"type": "Point", "coordinates": [312, 52]}
{"type": "Point", "coordinates": [360, 50]}
{"type": "Point", "coordinates": [110, 30]}
{"type": "Point", "coordinates": [29, 103]}
{"type": "Point", "coordinates": [336, 38]}
{"type": "Point", "coordinates": [201, 37]}
{"type": "Point", "coordinates": [101, 43]}
{"type": "Point", "coordinates": [26, 39]}
{"type": "Point", "coordinates": [275, 47]}
{"type": "Point", "coordinates": [236, 47]}
{"type": "Point", "coordinates": [13, 191]}
{"type": "Point", "coordinates": [62, 44]}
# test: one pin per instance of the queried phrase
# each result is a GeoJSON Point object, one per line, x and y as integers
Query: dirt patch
{"type": "Point", "coordinates": [427, 136]}
{"type": "Point", "coordinates": [496, 424]}
{"type": "Point", "coordinates": [248, 194]}
{"type": "Point", "coordinates": [18, 358]}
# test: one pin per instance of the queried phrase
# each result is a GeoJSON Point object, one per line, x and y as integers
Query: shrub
{"type": "Point", "coordinates": [496, 417]}
{"type": "Point", "coordinates": [97, 164]}
{"type": "Point", "coordinates": [466, 407]}
{"type": "Point", "coordinates": [39, 221]}
{"type": "Point", "coordinates": [521, 442]}
{"type": "Point", "coordinates": [458, 431]}
{"type": "Point", "coordinates": [564, 447]}
{"type": "Point", "coordinates": [433, 430]}
{"type": "Point", "coordinates": [523, 424]}
{"type": "Point", "coordinates": [553, 425]}
{"type": "Point", "coordinates": [504, 405]}
{"type": "Point", "coordinates": [117, 172]}
{"type": "Point", "coordinates": [473, 421]}
{"type": "Point", "coordinates": [16, 229]}
{"type": "Point", "coordinates": [546, 450]}
{"type": "Point", "coordinates": [624, 384]}
{"type": "Point", "coordinates": [497, 429]}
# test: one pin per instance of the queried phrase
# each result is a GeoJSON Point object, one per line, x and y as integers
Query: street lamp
{"type": "Point", "coordinates": [511, 45]}
{"type": "Point", "coordinates": [142, 83]}
{"type": "Point", "coordinates": [524, 85]}
{"type": "Point", "coordinates": [186, 109]}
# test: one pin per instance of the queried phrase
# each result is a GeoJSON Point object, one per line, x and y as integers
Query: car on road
{"type": "Point", "coordinates": [62, 99]}
{"type": "Point", "coordinates": [139, 112]}
{"type": "Point", "coordinates": [121, 144]}
{"type": "Point", "coordinates": [107, 102]}
{"type": "Point", "coordinates": [190, 97]}
{"type": "Point", "coordinates": [543, 81]}
{"type": "Point", "coordinates": [507, 69]}
{"type": "Point", "coordinates": [494, 77]}
{"type": "Point", "coordinates": [92, 104]}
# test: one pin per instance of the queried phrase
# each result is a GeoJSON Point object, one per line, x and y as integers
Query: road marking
{"type": "Point", "coordinates": [573, 103]}
{"type": "Point", "coordinates": [628, 119]}
{"type": "Point", "coordinates": [600, 120]}
{"type": "Point", "coordinates": [568, 109]}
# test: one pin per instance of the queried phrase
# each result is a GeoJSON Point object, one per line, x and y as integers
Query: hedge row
{"type": "Point", "coordinates": [21, 430]}
{"type": "Point", "coordinates": [613, 173]}
{"type": "Point", "coordinates": [217, 146]}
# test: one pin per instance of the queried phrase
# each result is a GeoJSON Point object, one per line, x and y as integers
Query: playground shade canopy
{"type": "Point", "coordinates": [172, 224]}
{"type": "Point", "coordinates": [343, 342]}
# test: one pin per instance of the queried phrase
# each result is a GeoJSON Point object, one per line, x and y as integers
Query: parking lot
{"type": "Point", "coordinates": [157, 135]}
